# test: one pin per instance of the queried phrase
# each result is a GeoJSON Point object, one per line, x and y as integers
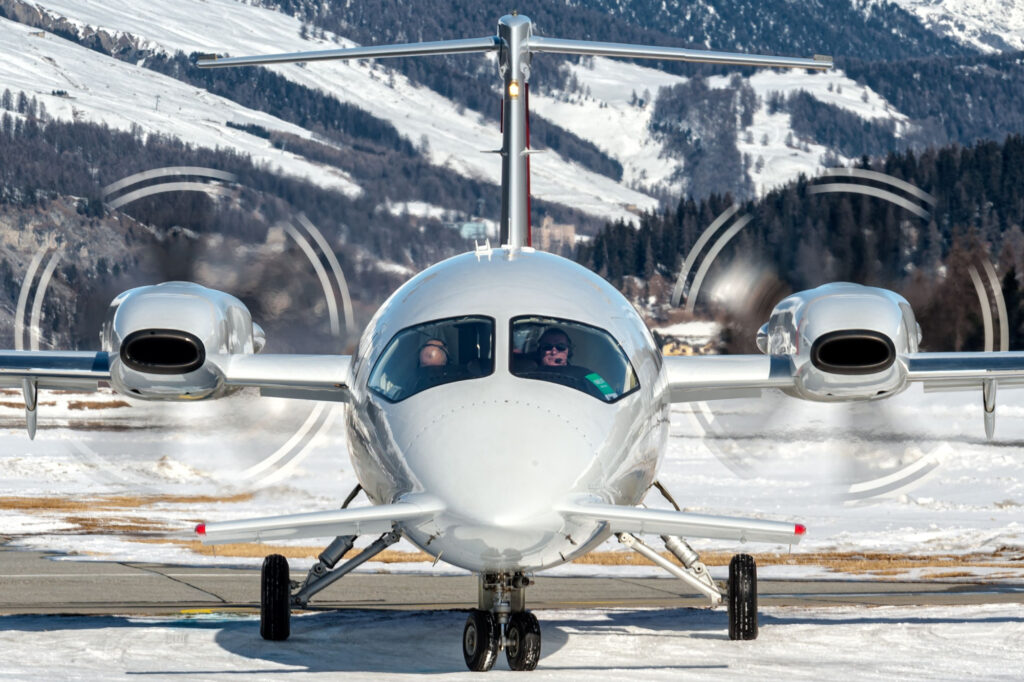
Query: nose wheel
{"type": "Point", "coordinates": [522, 641]}
{"type": "Point", "coordinates": [481, 640]}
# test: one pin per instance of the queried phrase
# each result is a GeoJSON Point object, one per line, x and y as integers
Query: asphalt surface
{"type": "Point", "coordinates": [34, 582]}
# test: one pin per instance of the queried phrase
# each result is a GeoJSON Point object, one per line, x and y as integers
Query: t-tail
{"type": "Point", "coordinates": [515, 44]}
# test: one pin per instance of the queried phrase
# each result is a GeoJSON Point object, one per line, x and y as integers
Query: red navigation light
{"type": "Point", "coordinates": [799, 529]}
{"type": "Point", "coordinates": [201, 529]}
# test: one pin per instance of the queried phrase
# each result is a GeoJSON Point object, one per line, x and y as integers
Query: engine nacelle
{"type": "Point", "coordinates": [845, 341]}
{"type": "Point", "coordinates": [159, 338]}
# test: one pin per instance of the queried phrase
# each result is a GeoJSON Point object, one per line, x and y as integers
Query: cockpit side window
{"type": "Point", "coordinates": [573, 354]}
{"type": "Point", "coordinates": [434, 353]}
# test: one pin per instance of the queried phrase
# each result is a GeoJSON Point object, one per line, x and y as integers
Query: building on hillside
{"type": "Point", "coordinates": [553, 237]}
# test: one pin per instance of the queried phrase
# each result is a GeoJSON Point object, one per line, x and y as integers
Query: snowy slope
{"type": "Point", "coordinates": [603, 113]}
{"type": "Point", "coordinates": [122, 95]}
{"type": "Point", "coordinates": [456, 137]}
{"type": "Point", "coordinates": [609, 120]}
{"type": "Point", "coordinates": [988, 25]}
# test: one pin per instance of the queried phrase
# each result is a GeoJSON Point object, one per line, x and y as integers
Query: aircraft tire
{"type": "Point", "coordinates": [742, 597]}
{"type": "Point", "coordinates": [480, 640]}
{"type": "Point", "coordinates": [275, 599]}
{"type": "Point", "coordinates": [523, 646]}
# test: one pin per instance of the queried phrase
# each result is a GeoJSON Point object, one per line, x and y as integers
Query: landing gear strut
{"type": "Point", "coordinates": [501, 622]}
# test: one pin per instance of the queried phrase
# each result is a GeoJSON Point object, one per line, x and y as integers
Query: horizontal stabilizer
{"type": "Point", "coordinates": [487, 44]}
{"type": "Point", "coordinates": [621, 519]}
{"type": "Point", "coordinates": [362, 520]}
{"type": "Point", "coordinates": [597, 49]}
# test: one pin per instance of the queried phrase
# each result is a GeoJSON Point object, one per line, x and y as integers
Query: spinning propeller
{"type": "Point", "coordinates": [867, 448]}
{"type": "Point", "coordinates": [286, 273]}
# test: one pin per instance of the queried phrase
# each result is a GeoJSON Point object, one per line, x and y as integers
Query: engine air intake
{"type": "Point", "coordinates": [853, 351]}
{"type": "Point", "coordinates": [162, 351]}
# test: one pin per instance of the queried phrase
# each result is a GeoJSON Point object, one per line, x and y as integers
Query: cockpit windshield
{"type": "Point", "coordinates": [576, 355]}
{"type": "Point", "coordinates": [434, 353]}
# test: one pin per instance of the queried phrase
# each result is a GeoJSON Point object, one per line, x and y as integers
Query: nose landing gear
{"type": "Point", "coordinates": [501, 622]}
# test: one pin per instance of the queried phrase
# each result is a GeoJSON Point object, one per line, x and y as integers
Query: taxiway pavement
{"type": "Point", "coordinates": [34, 582]}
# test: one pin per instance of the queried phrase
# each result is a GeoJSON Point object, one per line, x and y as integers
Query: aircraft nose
{"type": "Point", "coordinates": [504, 462]}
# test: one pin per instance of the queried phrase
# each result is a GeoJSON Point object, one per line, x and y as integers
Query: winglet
{"type": "Point", "coordinates": [988, 394]}
{"type": "Point", "coordinates": [30, 390]}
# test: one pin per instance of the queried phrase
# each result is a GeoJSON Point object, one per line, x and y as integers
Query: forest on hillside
{"type": "Point", "coordinates": [808, 237]}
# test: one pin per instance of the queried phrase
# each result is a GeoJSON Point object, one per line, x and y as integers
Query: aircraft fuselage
{"type": "Point", "coordinates": [502, 445]}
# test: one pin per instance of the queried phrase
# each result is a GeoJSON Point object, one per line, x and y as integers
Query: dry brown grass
{"type": "Point", "coordinates": [879, 563]}
{"type": "Point", "coordinates": [947, 574]}
{"type": "Point", "coordinates": [116, 525]}
{"type": "Point", "coordinates": [111, 502]}
{"type": "Point", "coordinates": [96, 404]}
{"type": "Point", "coordinates": [239, 549]}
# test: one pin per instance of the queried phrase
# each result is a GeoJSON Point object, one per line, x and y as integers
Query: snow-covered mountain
{"type": "Point", "coordinates": [987, 25]}
{"type": "Point", "coordinates": [93, 86]}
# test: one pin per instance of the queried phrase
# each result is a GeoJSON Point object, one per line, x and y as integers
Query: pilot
{"type": "Point", "coordinates": [432, 365]}
{"type": "Point", "coordinates": [554, 349]}
{"type": "Point", "coordinates": [433, 353]}
{"type": "Point", "coordinates": [554, 355]}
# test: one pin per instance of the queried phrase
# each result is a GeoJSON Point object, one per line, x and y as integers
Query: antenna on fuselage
{"type": "Point", "coordinates": [515, 45]}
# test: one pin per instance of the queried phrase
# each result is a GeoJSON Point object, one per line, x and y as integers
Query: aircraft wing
{"type": "Point", "coordinates": [715, 377]}
{"type": "Point", "coordinates": [308, 377]}
{"type": "Point", "coordinates": [413, 509]}
{"type": "Point", "coordinates": [710, 377]}
{"type": "Point", "coordinates": [950, 371]}
{"type": "Point", "coordinates": [621, 519]}
{"type": "Point", "coordinates": [313, 377]}
{"type": "Point", "coordinates": [54, 369]}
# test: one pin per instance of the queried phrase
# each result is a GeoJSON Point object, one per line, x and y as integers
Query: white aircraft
{"type": "Point", "coordinates": [507, 408]}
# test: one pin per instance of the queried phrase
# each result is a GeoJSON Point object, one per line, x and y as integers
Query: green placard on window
{"type": "Point", "coordinates": [602, 385]}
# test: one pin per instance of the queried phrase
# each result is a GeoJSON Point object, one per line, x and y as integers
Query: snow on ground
{"type": "Point", "coordinates": [456, 137]}
{"type": "Point", "coordinates": [988, 25]}
{"type": "Point", "coordinates": [830, 467]}
{"type": "Point", "coordinates": [776, 458]}
{"type": "Point", "coordinates": [882, 643]}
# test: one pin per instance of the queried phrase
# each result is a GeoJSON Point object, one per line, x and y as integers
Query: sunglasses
{"type": "Point", "coordinates": [560, 347]}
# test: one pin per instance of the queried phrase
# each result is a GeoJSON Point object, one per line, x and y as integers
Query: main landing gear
{"type": "Point", "coordinates": [740, 592]}
{"type": "Point", "coordinates": [278, 593]}
{"type": "Point", "coordinates": [501, 621]}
